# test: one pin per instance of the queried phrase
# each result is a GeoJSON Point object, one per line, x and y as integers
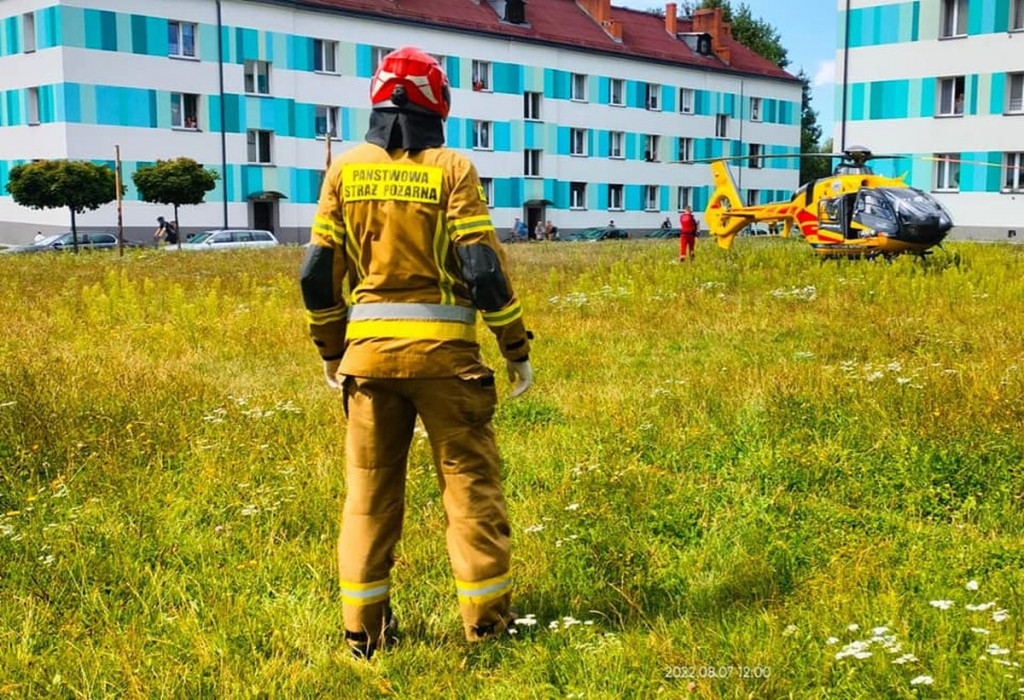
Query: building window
{"type": "Point", "coordinates": [325, 56]}
{"type": "Point", "coordinates": [531, 162]}
{"type": "Point", "coordinates": [259, 146]}
{"type": "Point", "coordinates": [33, 106]}
{"type": "Point", "coordinates": [615, 139]}
{"type": "Point", "coordinates": [377, 56]}
{"type": "Point", "coordinates": [755, 151]}
{"type": "Point", "coordinates": [685, 149]}
{"type": "Point", "coordinates": [482, 76]}
{"type": "Point", "coordinates": [954, 18]}
{"type": "Point", "coordinates": [653, 97]}
{"type": "Point", "coordinates": [184, 110]}
{"type": "Point", "coordinates": [577, 195]}
{"type": "Point", "coordinates": [326, 121]}
{"type": "Point", "coordinates": [482, 135]}
{"type": "Point", "coordinates": [1013, 172]}
{"type": "Point", "coordinates": [614, 197]}
{"type": "Point", "coordinates": [684, 197]}
{"type": "Point", "coordinates": [755, 109]}
{"type": "Point", "coordinates": [721, 126]}
{"type": "Point", "coordinates": [752, 197]}
{"type": "Point", "coordinates": [686, 100]}
{"type": "Point", "coordinates": [487, 190]}
{"type": "Point", "coordinates": [616, 92]}
{"type": "Point", "coordinates": [951, 97]}
{"type": "Point", "coordinates": [947, 172]}
{"type": "Point", "coordinates": [28, 32]}
{"type": "Point", "coordinates": [650, 198]}
{"type": "Point", "coordinates": [578, 142]}
{"type": "Point", "coordinates": [257, 77]}
{"type": "Point", "coordinates": [181, 39]}
{"type": "Point", "coordinates": [1017, 22]}
{"type": "Point", "coordinates": [578, 87]}
{"type": "Point", "coordinates": [1015, 103]}
{"type": "Point", "coordinates": [441, 60]}
{"type": "Point", "coordinates": [531, 106]}
{"type": "Point", "coordinates": [651, 144]}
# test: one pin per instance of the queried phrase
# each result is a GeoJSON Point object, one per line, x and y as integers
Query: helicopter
{"type": "Point", "coordinates": [852, 213]}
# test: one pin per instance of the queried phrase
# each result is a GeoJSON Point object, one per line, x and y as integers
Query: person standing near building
{"type": "Point", "coordinates": [687, 235]}
{"type": "Point", "coordinates": [402, 222]}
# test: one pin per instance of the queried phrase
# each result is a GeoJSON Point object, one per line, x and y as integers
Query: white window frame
{"type": "Point", "coordinates": [652, 143]}
{"type": "Point", "coordinates": [482, 133]}
{"type": "Point", "coordinates": [532, 102]}
{"type": "Point", "coordinates": [253, 70]}
{"type": "Point", "coordinates": [684, 197]}
{"type": "Point", "coordinates": [953, 19]}
{"type": "Point", "coordinates": [616, 198]}
{"type": "Point", "coordinates": [28, 32]}
{"type": "Point", "coordinates": [578, 140]}
{"type": "Point", "coordinates": [756, 153]}
{"type": "Point", "coordinates": [651, 198]}
{"type": "Point", "coordinates": [949, 107]}
{"type": "Point", "coordinates": [578, 87]}
{"type": "Point", "coordinates": [753, 195]}
{"type": "Point", "coordinates": [721, 126]}
{"type": "Point", "coordinates": [1015, 93]}
{"type": "Point", "coordinates": [947, 172]}
{"type": "Point", "coordinates": [617, 100]}
{"type": "Point", "coordinates": [179, 29]}
{"type": "Point", "coordinates": [652, 97]}
{"type": "Point", "coordinates": [182, 99]}
{"type": "Point", "coordinates": [331, 117]}
{"type": "Point", "coordinates": [531, 162]}
{"type": "Point", "coordinates": [755, 109]}
{"type": "Point", "coordinates": [1017, 16]}
{"type": "Point", "coordinates": [616, 144]}
{"type": "Point", "coordinates": [377, 54]}
{"type": "Point", "coordinates": [32, 106]}
{"type": "Point", "coordinates": [254, 147]}
{"type": "Point", "coordinates": [487, 185]}
{"type": "Point", "coordinates": [1013, 171]}
{"type": "Point", "coordinates": [482, 75]}
{"type": "Point", "coordinates": [685, 148]}
{"type": "Point", "coordinates": [577, 195]}
{"type": "Point", "coordinates": [327, 51]}
{"type": "Point", "coordinates": [686, 100]}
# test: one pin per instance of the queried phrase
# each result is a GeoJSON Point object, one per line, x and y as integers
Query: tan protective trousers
{"type": "Point", "coordinates": [457, 416]}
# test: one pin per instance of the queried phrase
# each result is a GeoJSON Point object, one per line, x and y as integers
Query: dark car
{"type": "Point", "coordinates": [663, 233]}
{"type": "Point", "coordinates": [87, 240]}
{"type": "Point", "coordinates": [603, 233]}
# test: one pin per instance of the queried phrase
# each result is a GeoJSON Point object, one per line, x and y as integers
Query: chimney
{"type": "Point", "coordinates": [601, 12]}
{"type": "Point", "coordinates": [670, 19]}
{"type": "Point", "coordinates": [710, 22]}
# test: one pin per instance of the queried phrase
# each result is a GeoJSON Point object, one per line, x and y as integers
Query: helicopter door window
{"type": "Point", "coordinates": [829, 215]}
{"type": "Point", "coordinates": [873, 212]}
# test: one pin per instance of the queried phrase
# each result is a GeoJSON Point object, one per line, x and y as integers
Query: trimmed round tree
{"type": "Point", "coordinates": [176, 182]}
{"type": "Point", "coordinates": [79, 185]}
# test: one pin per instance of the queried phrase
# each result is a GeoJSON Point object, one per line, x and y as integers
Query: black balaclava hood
{"type": "Point", "coordinates": [404, 125]}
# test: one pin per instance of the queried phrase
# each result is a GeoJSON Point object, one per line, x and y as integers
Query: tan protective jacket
{"type": "Point", "coordinates": [393, 220]}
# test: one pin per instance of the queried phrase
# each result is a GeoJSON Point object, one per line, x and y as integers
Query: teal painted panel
{"type": "Point", "coordinates": [928, 88]}
{"type": "Point", "coordinates": [997, 98]}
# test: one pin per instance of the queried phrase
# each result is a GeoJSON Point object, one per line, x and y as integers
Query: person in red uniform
{"type": "Point", "coordinates": [688, 237]}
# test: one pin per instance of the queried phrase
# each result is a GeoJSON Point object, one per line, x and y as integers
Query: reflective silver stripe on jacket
{"type": "Point", "coordinates": [411, 312]}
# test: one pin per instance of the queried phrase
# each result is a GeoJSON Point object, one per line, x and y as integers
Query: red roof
{"type": "Point", "coordinates": [563, 22]}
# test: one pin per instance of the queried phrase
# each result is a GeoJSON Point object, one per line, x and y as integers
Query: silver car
{"type": "Point", "coordinates": [224, 239]}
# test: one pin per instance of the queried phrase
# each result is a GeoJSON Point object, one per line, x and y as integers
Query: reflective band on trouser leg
{"type": "Point", "coordinates": [364, 593]}
{"type": "Point", "coordinates": [483, 591]}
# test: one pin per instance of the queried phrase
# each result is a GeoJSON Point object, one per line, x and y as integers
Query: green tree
{"type": "Point", "coordinates": [79, 185]}
{"type": "Point", "coordinates": [176, 182]}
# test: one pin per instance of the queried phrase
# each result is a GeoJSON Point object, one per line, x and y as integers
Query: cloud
{"type": "Point", "coordinates": [826, 74]}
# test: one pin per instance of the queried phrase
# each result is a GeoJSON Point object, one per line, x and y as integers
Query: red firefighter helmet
{"type": "Point", "coordinates": [419, 74]}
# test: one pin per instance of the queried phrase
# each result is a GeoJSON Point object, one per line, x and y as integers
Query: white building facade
{"type": "Point", "coordinates": [942, 83]}
{"type": "Point", "coordinates": [572, 134]}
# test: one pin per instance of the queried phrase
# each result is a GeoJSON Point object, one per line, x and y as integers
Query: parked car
{"type": "Point", "coordinates": [602, 233]}
{"type": "Point", "coordinates": [224, 239]}
{"type": "Point", "coordinates": [87, 240]}
{"type": "Point", "coordinates": [663, 233]}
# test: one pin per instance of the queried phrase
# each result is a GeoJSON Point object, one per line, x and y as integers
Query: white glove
{"type": "Point", "coordinates": [331, 373]}
{"type": "Point", "coordinates": [521, 376]}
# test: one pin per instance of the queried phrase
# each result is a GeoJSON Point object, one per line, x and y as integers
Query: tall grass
{"type": "Point", "coordinates": [742, 467]}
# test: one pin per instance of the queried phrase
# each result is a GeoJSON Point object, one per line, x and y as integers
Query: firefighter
{"type": "Point", "coordinates": [403, 256]}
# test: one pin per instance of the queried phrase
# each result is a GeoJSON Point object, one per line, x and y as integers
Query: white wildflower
{"type": "Point", "coordinates": [996, 650]}
{"type": "Point", "coordinates": [832, 640]}
{"type": "Point", "coordinates": [922, 680]}
{"type": "Point", "coordinates": [894, 366]}
{"type": "Point", "coordinates": [1000, 615]}
{"type": "Point", "coordinates": [980, 630]}
{"type": "Point", "coordinates": [791, 629]}
{"type": "Point", "coordinates": [528, 621]}
{"type": "Point", "coordinates": [903, 380]}
{"type": "Point", "coordinates": [980, 606]}
{"type": "Point", "coordinates": [971, 585]}
{"type": "Point", "coordinates": [905, 659]}
{"type": "Point", "coordinates": [879, 631]}
{"type": "Point", "coordinates": [250, 510]}
{"type": "Point", "coordinates": [573, 506]}
{"type": "Point", "coordinates": [853, 627]}
{"type": "Point", "coordinates": [873, 377]}
{"type": "Point", "coordinates": [942, 604]}
{"type": "Point", "coordinates": [534, 528]}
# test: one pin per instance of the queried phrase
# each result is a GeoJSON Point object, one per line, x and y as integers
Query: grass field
{"type": "Point", "coordinates": [754, 476]}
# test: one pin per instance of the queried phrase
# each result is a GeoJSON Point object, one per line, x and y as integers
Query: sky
{"type": "Point", "coordinates": [808, 29]}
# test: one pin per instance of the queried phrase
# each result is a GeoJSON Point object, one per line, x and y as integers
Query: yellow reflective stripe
{"type": "Point", "coordinates": [504, 316]}
{"type": "Point", "coordinates": [365, 593]}
{"type": "Point", "coordinates": [328, 228]}
{"type": "Point", "coordinates": [320, 317]}
{"type": "Point", "coordinates": [457, 224]}
{"type": "Point", "coordinates": [483, 591]}
{"type": "Point", "coordinates": [463, 232]}
{"type": "Point", "coordinates": [427, 330]}
{"type": "Point", "coordinates": [445, 281]}
{"type": "Point", "coordinates": [352, 248]}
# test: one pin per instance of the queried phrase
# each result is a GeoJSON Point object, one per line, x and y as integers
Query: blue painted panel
{"type": "Point", "coordinates": [502, 136]}
{"type": "Point", "coordinates": [453, 70]}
